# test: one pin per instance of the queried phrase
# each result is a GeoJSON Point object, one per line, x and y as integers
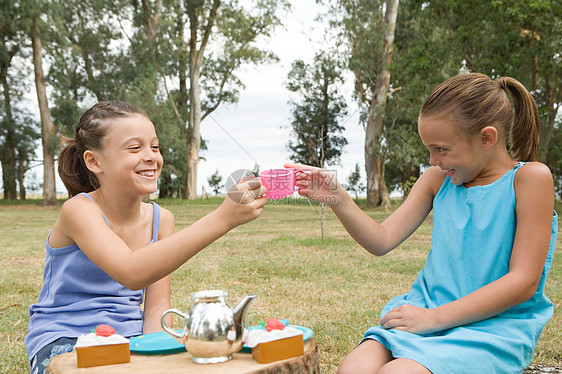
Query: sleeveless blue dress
{"type": "Point", "coordinates": [77, 296]}
{"type": "Point", "coordinates": [472, 239]}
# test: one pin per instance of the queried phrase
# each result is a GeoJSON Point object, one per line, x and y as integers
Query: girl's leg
{"type": "Point", "coordinates": [368, 357]}
{"type": "Point", "coordinates": [43, 357]}
{"type": "Point", "coordinates": [403, 365]}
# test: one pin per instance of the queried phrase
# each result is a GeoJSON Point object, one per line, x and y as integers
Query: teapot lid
{"type": "Point", "coordinates": [211, 295]}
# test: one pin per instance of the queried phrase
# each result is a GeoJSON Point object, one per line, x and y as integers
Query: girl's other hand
{"type": "Point", "coordinates": [411, 319]}
{"type": "Point", "coordinates": [316, 184]}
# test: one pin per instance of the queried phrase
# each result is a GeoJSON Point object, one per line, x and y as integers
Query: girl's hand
{"type": "Point", "coordinates": [316, 184]}
{"type": "Point", "coordinates": [244, 202]}
{"type": "Point", "coordinates": [411, 319]}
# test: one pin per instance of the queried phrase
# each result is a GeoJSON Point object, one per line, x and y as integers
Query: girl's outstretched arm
{"type": "Point", "coordinates": [82, 222]}
{"type": "Point", "coordinates": [321, 185]}
{"type": "Point", "coordinates": [534, 192]}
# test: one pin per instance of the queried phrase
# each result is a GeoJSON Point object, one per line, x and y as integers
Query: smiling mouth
{"type": "Point", "coordinates": [147, 173]}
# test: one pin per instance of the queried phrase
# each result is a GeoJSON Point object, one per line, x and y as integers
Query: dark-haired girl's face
{"type": "Point", "coordinates": [131, 156]}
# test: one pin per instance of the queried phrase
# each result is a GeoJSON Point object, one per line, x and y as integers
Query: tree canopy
{"type": "Point", "coordinates": [317, 112]}
{"type": "Point", "coordinates": [180, 61]}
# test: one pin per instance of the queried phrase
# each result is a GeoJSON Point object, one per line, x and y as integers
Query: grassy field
{"type": "Point", "coordinates": [332, 285]}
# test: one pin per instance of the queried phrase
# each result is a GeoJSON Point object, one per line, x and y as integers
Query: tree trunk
{"type": "Point", "coordinates": [548, 131]}
{"type": "Point", "coordinates": [152, 18]}
{"type": "Point", "coordinates": [193, 133]}
{"type": "Point", "coordinates": [550, 119]}
{"type": "Point", "coordinates": [21, 175]}
{"type": "Point", "coordinates": [8, 172]}
{"type": "Point", "coordinates": [8, 156]}
{"type": "Point", "coordinates": [48, 129]}
{"type": "Point", "coordinates": [183, 94]}
{"type": "Point", "coordinates": [377, 192]}
{"type": "Point", "coordinates": [195, 60]}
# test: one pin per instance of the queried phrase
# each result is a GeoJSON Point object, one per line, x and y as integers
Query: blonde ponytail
{"type": "Point", "coordinates": [524, 134]}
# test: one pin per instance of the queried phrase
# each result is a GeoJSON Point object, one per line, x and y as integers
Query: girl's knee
{"type": "Point", "coordinates": [351, 365]}
{"type": "Point", "coordinates": [403, 365]}
{"type": "Point", "coordinates": [368, 357]}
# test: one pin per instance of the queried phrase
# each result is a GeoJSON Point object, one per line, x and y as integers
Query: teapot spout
{"type": "Point", "coordinates": [240, 312]}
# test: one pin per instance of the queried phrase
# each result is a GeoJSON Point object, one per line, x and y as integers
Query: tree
{"type": "Point", "coordinates": [122, 52]}
{"type": "Point", "coordinates": [554, 161]}
{"type": "Point", "coordinates": [131, 51]}
{"type": "Point", "coordinates": [86, 51]}
{"type": "Point", "coordinates": [377, 192]}
{"type": "Point", "coordinates": [81, 39]}
{"type": "Point", "coordinates": [525, 45]}
{"type": "Point", "coordinates": [437, 39]}
{"type": "Point", "coordinates": [235, 30]}
{"type": "Point", "coordinates": [520, 39]}
{"type": "Point", "coordinates": [354, 183]}
{"type": "Point", "coordinates": [18, 133]}
{"type": "Point", "coordinates": [424, 57]}
{"type": "Point", "coordinates": [12, 42]}
{"type": "Point", "coordinates": [316, 118]}
{"type": "Point", "coordinates": [370, 59]}
{"type": "Point", "coordinates": [48, 129]}
{"type": "Point", "coordinates": [215, 182]}
{"type": "Point", "coordinates": [27, 135]}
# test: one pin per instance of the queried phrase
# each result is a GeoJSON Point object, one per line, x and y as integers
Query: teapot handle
{"type": "Point", "coordinates": [170, 331]}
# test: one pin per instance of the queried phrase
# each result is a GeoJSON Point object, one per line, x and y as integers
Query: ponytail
{"type": "Point", "coordinates": [73, 171]}
{"type": "Point", "coordinates": [524, 134]}
{"type": "Point", "coordinates": [476, 101]}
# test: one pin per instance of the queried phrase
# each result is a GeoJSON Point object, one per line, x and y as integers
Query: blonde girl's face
{"type": "Point", "coordinates": [131, 156]}
{"type": "Point", "coordinates": [449, 150]}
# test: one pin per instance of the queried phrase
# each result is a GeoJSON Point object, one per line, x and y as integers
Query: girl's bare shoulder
{"type": "Point", "coordinates": [533, 173]}
{"type": "Point", "coordinates": [77, 214]}
{"type": "Point", "coordinates": [532, 170]}
{"type": "Point", "coordinates": [79, 205]}
{"type": "Point", "coordinates": [535, 179]}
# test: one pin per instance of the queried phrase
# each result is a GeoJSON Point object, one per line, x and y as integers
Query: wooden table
{"type": "Point", "coordinates": [181, 362]}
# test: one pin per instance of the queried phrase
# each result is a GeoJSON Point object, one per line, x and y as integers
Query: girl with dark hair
{"type": "Point", "coordinates": [108, 251]}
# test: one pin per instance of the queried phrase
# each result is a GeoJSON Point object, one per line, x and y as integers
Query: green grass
{"type": "Point", "coordinates": [332, 286]}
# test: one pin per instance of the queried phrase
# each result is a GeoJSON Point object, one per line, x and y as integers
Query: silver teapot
{"type": "Point", "coordinates": [212, 331]}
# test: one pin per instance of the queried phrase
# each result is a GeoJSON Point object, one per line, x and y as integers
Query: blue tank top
{"type": "Point", "coordinates": [77, 296]}
{"type": "Point", "coordinates": [473, 234]}
{"type": "Point", "coordinates": [472, 240]}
